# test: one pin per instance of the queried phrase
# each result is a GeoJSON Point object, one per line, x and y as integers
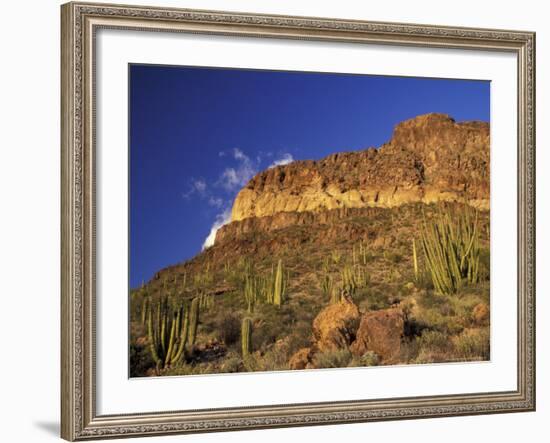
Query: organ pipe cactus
{"type": "Point", "coordinates": [349, 283]}
{"type": "Point", "coordinates": [451, 249]}
{"type": "Point", "coordinates": [327, 285]}
{"type": "Point", "coordinates": [167, 334]}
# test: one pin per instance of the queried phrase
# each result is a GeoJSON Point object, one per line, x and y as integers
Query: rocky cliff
{"type": "Point", "coordinates": [429, 158]}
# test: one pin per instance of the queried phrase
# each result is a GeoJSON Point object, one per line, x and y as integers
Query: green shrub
{"type": "Point", "coordinates": [229, 329]}
{"type": "Point", "coordinates": [369, 358]}
{"type": "Point", "coordinates": [332, 359]}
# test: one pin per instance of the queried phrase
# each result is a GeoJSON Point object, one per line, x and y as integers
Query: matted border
{"type": "Point", "coordinates": [79, 22]}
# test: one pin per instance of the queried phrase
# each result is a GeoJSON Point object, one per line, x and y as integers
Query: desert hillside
{"type": "Point", "coordinates": [371, 257]}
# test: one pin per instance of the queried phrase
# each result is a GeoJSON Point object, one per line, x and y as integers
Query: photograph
{"type": "Point", "coordinates": [287, 220]}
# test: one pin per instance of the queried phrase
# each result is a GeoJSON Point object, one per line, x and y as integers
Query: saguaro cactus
{"type": "Point", "coordinates": [415, 260]}
{"type": "Point", "coordinates": [144, 309]}
{"type": "Point", "coordinates": [280, 285]}
{"type": "Point", "coordinates": [246, 337]}
{"type": "Point", "coordinates": [250, 291]}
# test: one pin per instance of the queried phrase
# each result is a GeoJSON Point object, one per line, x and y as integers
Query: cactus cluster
{"type": "Point", "coordinates": [353, 277]}
{"type": "Point", "coordinates": [204, 278]}
{"type": "Point", "coordinates": [271, 287]}
{"type": "Point", "coordinates": [359, 254]}
{"type": "Point", "coordinates": [171, 330]}
{"type": "Point", "coordinates": [251, 291]}
{"type": "Point", "coordinates": [336, 256]}
{"type": "Point", "coordinates": [353, 274]}
{"type": "Point", "coordinates": [326, 280]}
{"type": "Point", "coordinates": [206, 300]}
{"type": "Point", "coordinates": [349, 284]}
{"type": "Point", "coordinates": [450, 243]}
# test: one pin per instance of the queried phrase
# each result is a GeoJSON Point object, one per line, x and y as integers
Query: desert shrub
{"type": "Point", "coordinates": [300, 337]}
{"type": "Point", "coordinates": [435, 341]}
{"type": "Point", "coordinates": [377, 299]}
{"type": "Point", "coordinates": [434, 346]}
{"type": "Point", "coordinates": [435, 320]}
{"type": "Point", "coordinates": [140, 360]}
{"type": "Point", "coordinates": [473, 344]}
{"type": "Point", "coordinates": [267, 333]}
{"type": "Point", "coordinates": [231, 364]}
{"type": "Point", "coordinates": [275, 323]}
{"type": "Point", "coordinates": [369, 358]}
{"type": "Point", "coordinates": [275, 359]}
{"type": "Point", "coordinates": [409, 350]}
{"type": "Point", "coordinates": [229, 329]}
{"type": "Point", "coordinates": [339, 358]}
{"type": "Point", "coordinates": [393, 257]}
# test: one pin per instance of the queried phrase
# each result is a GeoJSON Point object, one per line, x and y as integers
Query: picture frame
{"type": "Point", "coordinates": [80, 23]}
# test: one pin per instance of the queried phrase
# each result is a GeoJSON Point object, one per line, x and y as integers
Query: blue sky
{"type": "Point", "coordinates": [197, 135]}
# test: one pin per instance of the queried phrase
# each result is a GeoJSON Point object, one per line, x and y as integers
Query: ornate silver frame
{"type": "Point", "coordinates": [80, 21]}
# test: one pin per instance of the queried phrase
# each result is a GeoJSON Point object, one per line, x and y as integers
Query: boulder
{"type": "Point", "coordinates": [380, 332]}
{"type": "Point", "coordinates": [301, 359]}
{"type": "Point", "coordinates": [336, 325]}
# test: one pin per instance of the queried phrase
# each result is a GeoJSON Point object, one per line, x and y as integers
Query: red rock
{"type": "Point", "coordinates": [301, 359]}
{"type": "Point", "coordinates": [380, 332]}
{"type": "Point", "coordinates": [335, 326]}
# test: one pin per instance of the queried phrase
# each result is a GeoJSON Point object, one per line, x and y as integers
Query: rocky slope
{"type": "Point", "coordinates": [429, 158]}
{"type": "Point", "coordinates": [314, 217]}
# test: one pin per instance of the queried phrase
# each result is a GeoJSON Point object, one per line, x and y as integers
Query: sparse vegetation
{"type": "Point", "coordinates": [229, 313]}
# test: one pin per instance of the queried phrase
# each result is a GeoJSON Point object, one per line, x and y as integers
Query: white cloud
{"type": "Point", "coordinates": [221, 219]}
{"type": "Point", "coordinates": [237, 177]}
{"type": "Point", "coordinates": [284, 160]}
{"type": "Point", "coordinates": [197, 186]}
{"type": "Point", "coordinates": [215, 201]}
{"type": "Point", "coordinates": [239, 155]}
{"type": "Point", "coordinates": [200, 185]}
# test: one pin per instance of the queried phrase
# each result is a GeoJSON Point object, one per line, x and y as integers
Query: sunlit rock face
{"type": "Point", "coordinates": [429, 158]}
